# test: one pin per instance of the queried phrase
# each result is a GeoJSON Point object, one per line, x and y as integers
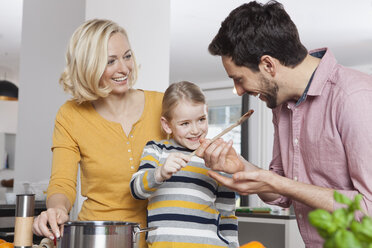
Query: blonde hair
{"type": "Point", "coordinates": [177, 92]}
{"type": "Point", "coordinates": [86, 60]}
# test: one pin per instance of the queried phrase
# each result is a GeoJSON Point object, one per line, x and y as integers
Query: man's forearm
{"type": "Point", "coordinates": [311, 195]}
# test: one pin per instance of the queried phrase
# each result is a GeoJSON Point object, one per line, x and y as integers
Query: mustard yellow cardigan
{"type": "Point", "coordinates": [107, 157]}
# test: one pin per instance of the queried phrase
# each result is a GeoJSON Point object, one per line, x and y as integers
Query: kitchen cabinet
{"type": "Point", "coordinates": [272, 230]}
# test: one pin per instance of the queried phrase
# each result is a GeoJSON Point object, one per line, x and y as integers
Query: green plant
{"type": "Point", "coordinates": [339, 228]}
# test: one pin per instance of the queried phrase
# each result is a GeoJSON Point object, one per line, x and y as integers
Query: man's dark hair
{"type": "Point", "coordinates": [253, 30]}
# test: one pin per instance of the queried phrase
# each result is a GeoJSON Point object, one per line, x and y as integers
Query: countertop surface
{"type": "Point", "coordinates": [266, 215]}
{"type": "Point", "coordinates": [9, 210]}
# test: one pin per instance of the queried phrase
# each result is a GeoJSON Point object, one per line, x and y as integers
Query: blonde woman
{"type": "Point", "coordinates": [104, 128]}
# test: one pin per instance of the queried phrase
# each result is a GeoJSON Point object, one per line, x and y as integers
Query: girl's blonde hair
{"type": "Point", "coordinates": [86, 60]}
{"type": "Point", "coordinates": [177, 92]}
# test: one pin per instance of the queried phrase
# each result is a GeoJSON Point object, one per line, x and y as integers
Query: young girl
{"type": "Point", "coordinates": [189, 208]}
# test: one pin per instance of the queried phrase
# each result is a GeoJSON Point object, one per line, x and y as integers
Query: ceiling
{"type": "Point", "coordinates": [345, 26]}
{"type": "Point", "coordinates": [342, 25]}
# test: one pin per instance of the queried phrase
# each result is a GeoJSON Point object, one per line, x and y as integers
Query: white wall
{"type": "Point", "coordinates": [148, 26]}
{"type": "Point", "coordinates": [8, 117]}
{"type": "Point", "coordinates": [47, 27]}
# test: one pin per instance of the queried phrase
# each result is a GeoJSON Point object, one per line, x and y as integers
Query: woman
{"type": "Point", "coordinates": [103, 128]}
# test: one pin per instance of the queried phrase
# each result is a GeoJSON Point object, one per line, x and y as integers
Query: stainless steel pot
{"type": "Point", "coordinates": [101, 234]}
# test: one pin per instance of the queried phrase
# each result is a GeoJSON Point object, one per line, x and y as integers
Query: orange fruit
{"type": "Point", "coordinates": [6, 245]}
{"type": "Point", "coordinates": [2, 241]}
{"type": "Point", "coordinates": [252, 244]}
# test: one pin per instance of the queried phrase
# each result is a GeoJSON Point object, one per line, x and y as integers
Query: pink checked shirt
{"type": "Point", "coordinates": [327, 139]}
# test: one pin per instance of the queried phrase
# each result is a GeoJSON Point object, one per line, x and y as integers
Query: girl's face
{"type": "Point", "coordinates": [189, 124]}
{"type": "Point", "coordinates": [119, 64]}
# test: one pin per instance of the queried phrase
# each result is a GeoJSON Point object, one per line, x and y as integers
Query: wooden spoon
{"type": "Point", "coordinates": [240, 121]}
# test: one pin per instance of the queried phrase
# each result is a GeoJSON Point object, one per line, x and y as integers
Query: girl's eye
{"type": "Point", "coordinates": [184, 124]}
{"type": "Point", "coordinates": [111, 61]}
{"type": "Point", "coordinates": [203, 119]}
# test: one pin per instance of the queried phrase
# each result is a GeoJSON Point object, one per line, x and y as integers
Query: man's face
{"type": "Point", "coordinates": [253, 83]}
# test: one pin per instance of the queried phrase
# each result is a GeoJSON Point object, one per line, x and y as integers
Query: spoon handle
{"type": "Point", "coordinates": [228, 129]}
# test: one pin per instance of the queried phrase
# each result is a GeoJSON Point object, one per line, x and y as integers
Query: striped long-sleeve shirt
{"type": "Point", "coordinates": [190, 209]}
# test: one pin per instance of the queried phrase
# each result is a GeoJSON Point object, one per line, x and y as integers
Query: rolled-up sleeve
{"type": "Point", "coordinates": [355, 118]}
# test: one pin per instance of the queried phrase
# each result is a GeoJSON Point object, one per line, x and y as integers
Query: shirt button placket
{"type": "Point", "coordinates": [296, 127]}
{"type": "Point", "coordinates": [130, 154]}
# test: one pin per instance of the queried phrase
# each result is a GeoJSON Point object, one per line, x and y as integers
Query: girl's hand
{"type": "Point", "coordinates": [175, 162]}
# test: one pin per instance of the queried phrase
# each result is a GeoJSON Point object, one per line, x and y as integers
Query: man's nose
{"type": "Point", "coordinates": [239, 91]}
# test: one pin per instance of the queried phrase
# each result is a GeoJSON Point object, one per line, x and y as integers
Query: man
{"type": "Point", "coordinates": [322, 115]}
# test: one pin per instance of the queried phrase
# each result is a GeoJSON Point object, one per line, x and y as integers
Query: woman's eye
{"type": "Point", "coordinates": [184, 124]}
{"type": "Point", "coordinates": [111, 61]}
{"type": "Point", "coordinates": [128, 56]}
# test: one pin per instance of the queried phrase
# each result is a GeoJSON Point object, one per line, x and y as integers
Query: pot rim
{"type": "Point", "coordinates": [100, 223]}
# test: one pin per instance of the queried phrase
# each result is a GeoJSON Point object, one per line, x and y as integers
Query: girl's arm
{"type": "Point", "coordinates": [143, 182]}
{"type": "Point", "coordinates": [151, 174]}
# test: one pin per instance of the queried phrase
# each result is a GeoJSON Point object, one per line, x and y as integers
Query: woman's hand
{"type": "Point", "coordinates": [175, 162]}
{"type": "Point", "coordinates": [52, 216]}
{"type": "Point", "coordinates": [220, 156]}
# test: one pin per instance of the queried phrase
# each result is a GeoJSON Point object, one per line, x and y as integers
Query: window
{"type": "Point", "coordinates": [221, 117]}
{"type": "Point", "coordinates": [224, 109]}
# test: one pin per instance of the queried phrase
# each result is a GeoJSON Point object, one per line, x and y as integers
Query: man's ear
{"type": "Point", "coordinates": [165, 125]}
{"type": "Point", "coordinates": [268, 65]}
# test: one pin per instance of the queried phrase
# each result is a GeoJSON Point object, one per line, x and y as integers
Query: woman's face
{"type": "Point", "coordinates": [119, 64]}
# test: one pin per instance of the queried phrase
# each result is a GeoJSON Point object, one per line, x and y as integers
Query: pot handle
{"type": "Point", "coordinates": [138, 230]}
{"type": "Point", "coordinates": [147, 229]}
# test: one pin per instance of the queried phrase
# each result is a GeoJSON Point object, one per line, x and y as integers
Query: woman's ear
{"type": "Point", "coordinates": [165, 125]}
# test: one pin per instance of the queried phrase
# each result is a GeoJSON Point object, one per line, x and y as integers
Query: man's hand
{"type": "Point", "coordinates": [247, 182]}
{"type": "Point", "coordinates": [220, 156]}
{"type": "Point", "coordinates": [175, 162]}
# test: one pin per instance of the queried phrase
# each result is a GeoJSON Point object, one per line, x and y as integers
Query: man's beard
{"type": "Point", "coordinates": [271, 92]}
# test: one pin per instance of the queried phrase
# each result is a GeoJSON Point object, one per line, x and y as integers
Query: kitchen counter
{"type": "Point", "coordinates": [271, 229]}
{"type": "Point", "coordinates": [267, 215]}
{"type": "Point", "coordinates": [8, 210]}
{"type": "Point", "coordinates": [7, 219]}
{"type": "Point", "coordinates": [7, 213]}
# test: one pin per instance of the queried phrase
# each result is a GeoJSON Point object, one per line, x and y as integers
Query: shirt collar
{"type": "Point", "coordinates": [323, 72]}
{"type": "Point", "coordinates": [304, 95]}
